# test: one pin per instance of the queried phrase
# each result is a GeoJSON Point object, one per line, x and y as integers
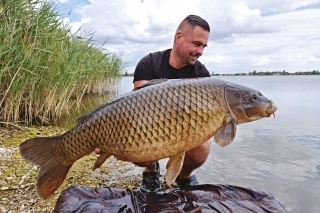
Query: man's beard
{"type": "Point", "coordinates": [191, 60]}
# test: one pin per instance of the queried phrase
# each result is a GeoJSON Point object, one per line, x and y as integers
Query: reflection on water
{"type": "Point", "coordinates": [88, 103]}
{"type": "Point", "coordinates": [281, 155]}
{"type": "Point", "coordinates": [109, 89]}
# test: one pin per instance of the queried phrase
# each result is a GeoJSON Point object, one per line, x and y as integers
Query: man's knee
{"type": "Point", "coordinates": [198, 155]}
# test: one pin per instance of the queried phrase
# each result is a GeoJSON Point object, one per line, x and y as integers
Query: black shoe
{"type": "Point", "coordinates": [190, 181]}
{"type": "Point", "coordinates": [150, 180]}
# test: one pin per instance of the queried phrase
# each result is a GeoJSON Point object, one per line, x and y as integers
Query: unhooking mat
{"type": "Point", "coordinates": [200, 198]}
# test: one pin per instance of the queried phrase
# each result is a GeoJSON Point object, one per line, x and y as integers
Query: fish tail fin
{"type": "Point", "coordinates": [42, 151]}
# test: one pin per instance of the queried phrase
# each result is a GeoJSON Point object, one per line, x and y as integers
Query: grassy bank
{"type": "Point", "coordinates": [45, 69]}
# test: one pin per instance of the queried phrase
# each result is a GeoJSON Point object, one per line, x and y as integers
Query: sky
{"type": "Point", "coordinates": [246, 35]}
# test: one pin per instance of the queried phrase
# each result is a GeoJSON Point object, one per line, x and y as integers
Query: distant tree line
{"type": "Point", "coordinates": [128, 74]}
{"type": "Point", "coordinates": [314, 72]}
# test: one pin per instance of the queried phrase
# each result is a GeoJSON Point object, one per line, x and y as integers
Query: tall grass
{"type": "Point", "coordinates": [44, 68]}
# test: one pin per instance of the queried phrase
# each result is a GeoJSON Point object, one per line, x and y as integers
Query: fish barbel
{"type": "Point", "coordinates": [161, 119]}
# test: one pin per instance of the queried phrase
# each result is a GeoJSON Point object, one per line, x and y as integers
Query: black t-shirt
{"type": "Point", "coordinates": [156, 65]}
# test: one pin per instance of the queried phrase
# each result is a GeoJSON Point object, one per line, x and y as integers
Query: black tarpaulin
{"type": "Point", "coordinates": [200, 198]}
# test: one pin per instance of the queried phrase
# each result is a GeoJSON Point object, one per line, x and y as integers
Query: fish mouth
{"type": "Point", "coordinates": [271, 109]}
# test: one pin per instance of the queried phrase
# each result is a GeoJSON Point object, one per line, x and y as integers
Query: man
{"type": "Point", "coordinates": [190, 39]}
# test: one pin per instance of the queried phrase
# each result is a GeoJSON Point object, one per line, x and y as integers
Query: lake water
{"type": "Point", "coordinates": [281, 155]}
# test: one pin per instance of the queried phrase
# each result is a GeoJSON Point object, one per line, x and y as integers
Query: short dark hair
{"type": "Point", "coordinates": [195, 20]}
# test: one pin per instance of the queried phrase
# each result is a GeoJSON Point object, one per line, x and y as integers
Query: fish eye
{"type": "Point", "coordinates": [254, 96]}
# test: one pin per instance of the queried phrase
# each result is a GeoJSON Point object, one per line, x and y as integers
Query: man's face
{"type": "Point", "coordinates": [190, 44]}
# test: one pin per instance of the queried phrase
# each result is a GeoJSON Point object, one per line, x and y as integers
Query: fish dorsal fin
{"type": "Point", "coordinates": [174, 167]}
{"type": "Point", "coordinates": [151, 83]}
{"type": "Point", "coordinates": [225, 134]}
{"type": "Point", "coordinates": [84, 117]}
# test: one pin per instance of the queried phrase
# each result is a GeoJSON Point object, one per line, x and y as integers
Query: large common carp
{"type": "Point", "coordinates": [164, 118]}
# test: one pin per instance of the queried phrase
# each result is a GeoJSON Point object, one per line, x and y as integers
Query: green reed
{"type": "Point", "coordinates": [45, 69]}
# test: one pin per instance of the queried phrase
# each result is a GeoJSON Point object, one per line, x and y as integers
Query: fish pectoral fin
{"type": "Point", "coordinates": [100, 160]}
{"type": "Point", "coordinates": [174, 167]}
{"type": "Point", "coordinates": [226, 133]}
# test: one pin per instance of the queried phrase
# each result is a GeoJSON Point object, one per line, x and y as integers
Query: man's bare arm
{"type": "Point", "coordinates": [139, 83]}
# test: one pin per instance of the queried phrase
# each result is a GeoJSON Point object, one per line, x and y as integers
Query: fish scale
{"type": "Point", "coordinates": [162, 119]}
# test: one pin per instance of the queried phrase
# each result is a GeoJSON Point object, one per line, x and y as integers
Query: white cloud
{"type": "Point", "coordinates": [280, 5]}
{"type": "Point", "coordinates": [245, 34]}
{"type": "Point", "coordinates": [263, 61]}
{"type": "Point", "coordinates": [314, 60]}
